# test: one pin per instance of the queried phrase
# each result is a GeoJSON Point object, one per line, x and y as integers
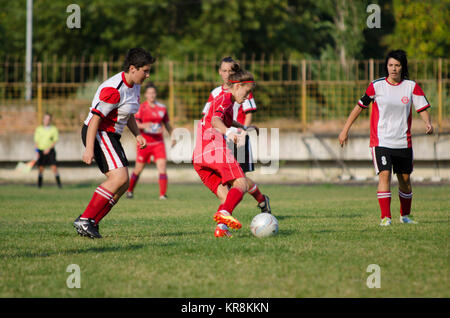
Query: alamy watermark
{"type": "Point", "coordinates": [264, 147]}
{"type": "Point", "coordinates": [74, 20]}
{"type": "Point", "coordinates": [374, 279]}
{"type": "Point", "coordinates": [74, 279]}
{"type": "Point", "coordinates": [374, 19]}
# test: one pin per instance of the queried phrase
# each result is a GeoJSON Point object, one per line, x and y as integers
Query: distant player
{"type": "Point", "coordinates": [213, 160]}
{"type": "Point", "coordinates": [392, 98]}
{"type": "Point", "coordinates": [45, 138]}
{"type": "Point", "coordinates": [242, 113]}
{"type": "Point", "coordinates": [151, 118]}
{"type": "Point", "coordinates": [113, 107]}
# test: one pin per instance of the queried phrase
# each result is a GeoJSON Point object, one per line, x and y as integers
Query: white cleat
{"type": "Point", "coordinates": [386, 221]}
{"type": "Point", "coordinates": [407, 219]}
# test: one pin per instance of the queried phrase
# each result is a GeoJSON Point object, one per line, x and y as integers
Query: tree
{"type": "Point", "coordinates": [421, 28]}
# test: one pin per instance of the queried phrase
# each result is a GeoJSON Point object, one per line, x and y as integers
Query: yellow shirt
{"type": "Point", "coordinates": [44, 137]}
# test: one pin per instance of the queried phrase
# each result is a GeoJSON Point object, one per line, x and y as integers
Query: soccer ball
{"type": "Point", "coordinates": [263, 225]}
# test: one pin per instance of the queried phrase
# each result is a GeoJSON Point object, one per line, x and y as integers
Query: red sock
{"type": "Point", "coordinates": [234, 196]}
{"type": "Point", "coordinates": [254, 191]}
{"type": "Point", "coordinates": [405, 202]}
{"type": "Point", "coordinates": [99, 200]}
{"type": "Point", "coordinates": [133, 180]}
{"type": "Point", "coordinates": [104, 211]}
{"type": "Point", "coordinates": [384, 199]}
{"type": "Point", "coordinates": [162, 184]}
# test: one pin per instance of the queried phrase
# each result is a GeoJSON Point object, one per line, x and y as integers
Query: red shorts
{"type": "Point", "coordinates": [157, 150]}
{"type": "Point", "coordinates": [213, 174]}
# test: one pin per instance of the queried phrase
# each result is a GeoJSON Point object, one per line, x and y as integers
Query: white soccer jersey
{"type": "Point", "coordinates": [114, 101]}
{"type": "Point", "coordinates": [390, 122]}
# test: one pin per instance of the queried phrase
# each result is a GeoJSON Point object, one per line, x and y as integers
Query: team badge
{"type": "Point", "coordinates": [161, 113]}
{"type": "Point", "coordinates": [405, 100]}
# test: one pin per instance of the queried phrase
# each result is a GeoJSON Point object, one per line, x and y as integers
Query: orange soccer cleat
{"type": "Point", "coordinates": [222, 231]}
{"type": "Point", "coordinates": [226, 218]}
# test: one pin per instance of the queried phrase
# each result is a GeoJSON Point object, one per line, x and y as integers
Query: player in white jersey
{"type": "Point", "coordinates": [242, 113]}
{"type": "Point", "coordinates": [113, 107]}
{"type": "Point", "coordinates": [392, 99]}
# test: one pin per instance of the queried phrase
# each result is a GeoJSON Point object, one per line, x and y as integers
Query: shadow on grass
{"type": "Point", "coordinates": [104, 249]}
{"type": "Point", "coordinates": [180, 233]}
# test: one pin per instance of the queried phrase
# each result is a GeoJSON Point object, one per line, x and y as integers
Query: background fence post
{"type": "Point", "coordinates": [171, 92]}
{"type": "Point", "coordinates": [371, 78]}
{"type": "Point", "coordinates": [105, 71]}
{"type": "Point", "coordinates": [439, 94]}
{"type": "Point", "coordinates": [39, 92]}
{"type": "Point", "coordinates": [304, 95]}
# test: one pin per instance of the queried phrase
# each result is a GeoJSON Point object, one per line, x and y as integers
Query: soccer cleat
{"type": "Point", "coordinates": [407, 219]}
{"type": "Point", "coordinates": [86, 227]}
{"type": "Point", "coordinates": [265, 206]}
{"type": "Point", "coordinates": [79, 231]}
{"type": "Point", "coordinates": [163, 197]}
{"type": "Point", "coordinates": [222, 231]}
{"type": "Point", "coordinates": [386, 221]}
{"type": "Point", "coordinates": [226, 218]}
{"type": "Point", "coordinates": [129, 195]}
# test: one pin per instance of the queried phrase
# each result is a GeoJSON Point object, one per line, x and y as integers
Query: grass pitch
{"type": "Point", "coordinates": [328, 236]}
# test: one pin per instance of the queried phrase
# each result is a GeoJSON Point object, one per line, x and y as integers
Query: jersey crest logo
{"type": "Point", "coordinates": [405, 100]}
{"type": "Point", "coordinates": [161, 113]}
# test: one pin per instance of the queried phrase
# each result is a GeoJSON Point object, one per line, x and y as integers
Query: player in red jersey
{"type": "Point", "coordinates": [113, 107]}
{"type": "Point", "coordinates": [213, 160]}
{"type": "Point", "coordinates": [151, 118]}
{"type": "Point", "coordinates": [242, 113]}
{"type": "Point", "coordinates": [392, 98]}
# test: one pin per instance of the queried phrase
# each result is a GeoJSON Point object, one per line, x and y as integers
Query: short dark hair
{"type": "Point", "coordinates": [227, 59]}
{"type": "Point", "coordinates": [400, 56]}
{"type": "Point", "coordinates": [150, 85]}
{"type": "Point", "coordinates": [137, 57]}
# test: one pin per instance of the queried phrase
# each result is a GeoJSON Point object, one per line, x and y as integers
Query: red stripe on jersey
{"type": "Point", "coordinates": [408, 132]}
{"type": "Point", "coordinates": [374, 125]}
{"type": "Point", "coordinates": [423, 108]}
{"type": "Point", "coordinates": [393, 84]}
{"type": "Point", "coordinates": [362, 105]}
{"type": "Point", "coordinates": [97, 112]}
{"type": "Point", "coordinates": [418, 90]}
{"type": "Point", "coordinates": [108, 122]}
{"type": "Point", "coordinates": [125, 81]}
{"type": "Point", "coordinates": [110, 95]}
{"type": "Point", "coordinates": [109, 151]}
{"type": "Point", "coordinates": [370, 91]}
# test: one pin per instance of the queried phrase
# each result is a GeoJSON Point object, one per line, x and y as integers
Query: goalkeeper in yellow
{"type": "Point", "coordinates": [45, 138]}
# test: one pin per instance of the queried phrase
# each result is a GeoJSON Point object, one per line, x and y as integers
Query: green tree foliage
{"type": "Point", "coordinates": [180, 29]}
{"type": "Point", "coordinates": [421, 28]}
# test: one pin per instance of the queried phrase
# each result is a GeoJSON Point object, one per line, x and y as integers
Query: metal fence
{"type": "Point", "coordinates": [300, 95]}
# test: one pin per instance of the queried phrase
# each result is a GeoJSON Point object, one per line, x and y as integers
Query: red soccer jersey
{"type": "Point", "coordinates": [239, 110]}
{"type": "Point", "coordinates": [156, 116]}
{"type": "Point", "coordinates": [208, 138]}
{"type": "Point", "coordinates": [222, 107]}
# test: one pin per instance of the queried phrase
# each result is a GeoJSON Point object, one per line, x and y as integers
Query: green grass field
{"type": "Point", "coordinates": [328, 236]}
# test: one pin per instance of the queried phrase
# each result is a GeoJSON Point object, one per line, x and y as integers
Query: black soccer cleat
{"type": "Point", "coordinates": [79, 231]}
{"type": "Point", "coordinates": [265, 206]}
{"type": "Point", "coordinates": [86, 227]}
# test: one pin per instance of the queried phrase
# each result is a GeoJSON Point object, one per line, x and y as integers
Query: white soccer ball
{"type": "Point", "coordinates": [263, 225]}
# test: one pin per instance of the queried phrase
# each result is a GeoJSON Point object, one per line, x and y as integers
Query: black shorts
{"type": "Point", "coordinates": [108, 151]}
{"type": "Point", "coordinates": [400, 160]}
{"type": "Point", "coordinates": [243, 155]}
{"type": "Point", "coordinates": [48, 159]}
